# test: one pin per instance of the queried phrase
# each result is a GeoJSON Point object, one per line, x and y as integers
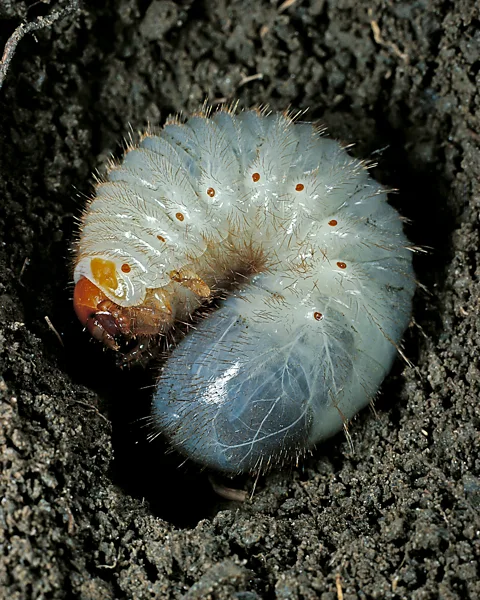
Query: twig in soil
{"type": "Point", "coordinates": [50, 324]}
{"type": "Point", "coordinates": [377, 36]}
{"type": "Point", "coordinates": [285, 5]}
{"type": "Point", "coordinates": [92, 408]}
{"type": "Point", "coordinates": [21, 30]}
{"type": "Point", "coordinates": [338, 585]}
{"type": "Point", "coordinates": [226, 492]}
{"type": "Point", "coordinates": [26, 262]}
{"type": "Point", "coordinates": [246, 80]}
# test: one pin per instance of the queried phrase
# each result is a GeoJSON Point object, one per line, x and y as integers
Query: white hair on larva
{"type": "Point", "coordinates": [310, 263]}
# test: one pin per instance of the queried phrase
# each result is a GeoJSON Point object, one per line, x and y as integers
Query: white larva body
{"type": "Point", "coordinates": [322, 274]}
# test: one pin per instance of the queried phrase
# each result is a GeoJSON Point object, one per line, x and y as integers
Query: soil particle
{"type": "Point", "coordinates": [89, 509]}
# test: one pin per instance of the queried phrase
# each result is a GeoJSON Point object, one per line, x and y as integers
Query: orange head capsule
{"type": "Point", "coordinates": [92, 308]}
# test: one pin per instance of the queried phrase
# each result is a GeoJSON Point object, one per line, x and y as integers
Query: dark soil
{"type": "Point", "coordinates": [89, 509]}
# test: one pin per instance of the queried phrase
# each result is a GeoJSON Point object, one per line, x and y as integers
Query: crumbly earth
{"type": "Point", "coordinates": [91, 510]}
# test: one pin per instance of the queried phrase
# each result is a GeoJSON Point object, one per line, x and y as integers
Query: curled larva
{"type": "Point", "coordinates": [308, 263]}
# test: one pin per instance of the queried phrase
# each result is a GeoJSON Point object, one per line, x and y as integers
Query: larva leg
{"type": "Point", "coordinates": [144, 350]}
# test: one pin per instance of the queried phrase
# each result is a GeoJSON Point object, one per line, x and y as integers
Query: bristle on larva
{"type": "Point", "coordinates": [298, 244]}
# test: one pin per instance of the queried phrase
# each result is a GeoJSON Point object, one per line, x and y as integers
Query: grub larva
{"type": "Point", "coordinates": [308, 260]}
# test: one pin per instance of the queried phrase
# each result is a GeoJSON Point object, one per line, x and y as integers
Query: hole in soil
{"type": "Point", "coordinates": [148, 470]}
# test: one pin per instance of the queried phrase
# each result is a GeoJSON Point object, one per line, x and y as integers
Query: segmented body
{"type": "Point", "coordinates": [312, 261]}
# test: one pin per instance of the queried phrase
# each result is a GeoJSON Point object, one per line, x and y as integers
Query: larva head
{"type": "Point", "coordinates": [110, 312]}
{"type": "Point", "coordinates": [116, 279]}
{"type": "Point", "coordinates": [102, 287]}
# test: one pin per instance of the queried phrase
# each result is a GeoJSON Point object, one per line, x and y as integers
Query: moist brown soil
{"type": "Point", "coordinates": [88, 508]}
